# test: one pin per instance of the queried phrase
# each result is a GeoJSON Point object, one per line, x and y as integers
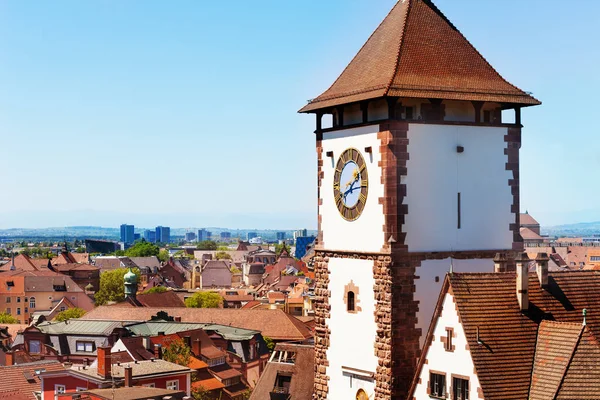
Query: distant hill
{"type": "Point", "coordinates": [579, 229]}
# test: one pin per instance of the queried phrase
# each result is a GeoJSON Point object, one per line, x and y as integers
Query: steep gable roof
{"type": "Point", "coordinates": [417, 52]}
{"type": "Point", "coordinates": [502, 340]}
{"type": "Point", "coordinates": [556, 342]}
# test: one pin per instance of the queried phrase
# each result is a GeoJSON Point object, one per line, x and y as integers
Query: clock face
{"type": "Point", "coordinates": [350, 184]}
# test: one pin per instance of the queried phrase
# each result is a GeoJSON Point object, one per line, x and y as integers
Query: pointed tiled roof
{"type": "Point", "coordinates": [417, 52]}
{"type": "Point", "coordinates": [556, 342]}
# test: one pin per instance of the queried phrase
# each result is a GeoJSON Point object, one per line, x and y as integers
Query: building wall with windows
{"type": "Point", "coordinates": [450, 359]}
{"type": "Point", "coordinates": [356, 276]}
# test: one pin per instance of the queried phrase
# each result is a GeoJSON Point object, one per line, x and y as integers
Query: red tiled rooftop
{"type": "Point", "coordinates": [417, 52]}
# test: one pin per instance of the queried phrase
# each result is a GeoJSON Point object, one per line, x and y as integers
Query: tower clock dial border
{"type": "Point", "coordinates": [350, 184]}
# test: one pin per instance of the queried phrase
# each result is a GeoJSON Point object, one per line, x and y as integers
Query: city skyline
{"type": "Point", "coordinates": [160, 82]}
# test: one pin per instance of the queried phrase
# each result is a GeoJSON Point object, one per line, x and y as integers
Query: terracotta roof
{"type": "Point", "coordinates": [582, 380]}
{"type": "Point", "coordinates": [75, 266]}
{"type": "Point", "coordinates": [135, 347]}
{"type": "Point", "coordinates": [208, 384]}
{"type": "Point", "coordinates": [527, 219]}
{"type": "Point", "coordinates": [417, 52]}
{"type": "Point", "coordinates": [528, 234]}
{"type": "Point", "coordinates": [14, 379]}
{"type": "Point", "coordinates": [556, 342]}
{"type": "Point", "coordinates": [134, 393]}
{"type": "Point", "coordinates": [165, 299]}
{"type": "Point", "coordinates": [196, 363]}
{"type": "Point", "coordinates": [302, 372]}
{"type": "Point", "coordinates": [251, 304]}
{"type": "Point", "coordinates": [224, 371]}
{"type": "Point", "coordinates": [272, 323]}
{"type": "Point", "coordinates": [22, 262]}
{"type": "Point", "coordinates": [487, 302]}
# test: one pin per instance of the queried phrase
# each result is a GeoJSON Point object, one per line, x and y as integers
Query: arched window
{"type": "Point", "coordinates": [32, 302]}
{"type": "Point", "coordinates": [350, 301]}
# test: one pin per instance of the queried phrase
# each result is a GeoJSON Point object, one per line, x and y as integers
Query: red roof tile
{"type": "Point", "coordinates": [505, 353]}
{"type": "Point", "coordinates": [14, 377]}
{"type": "Point", "coordinates": [417, 52]}
{"type": "Point", "coordinates": [556, 342]}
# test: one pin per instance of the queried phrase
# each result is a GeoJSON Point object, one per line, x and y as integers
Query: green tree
{"type": "Point", "coordinates": [199, 393]}
{"type": "Point", "coordinates": [279, 248]}
{"type": "Point", "coordinates": [156, 289]}
{"type": "Point", "coordinates": [204, 300]}
{"type": "Point", "coordinates": [143, 249]}
{"type": "Point", "coordinates": [70, 313]}
{"type": "Point", "coordinates": [207, 245]}
{"type": "Point", "coordinates": [270, 343]}
{"type": "Point", "coordinates": [8, 319]}
{"type": "Point", "coordinates": [177, 352]}
{"type": "Point", "coordinates": [163, 255]}
{"type": "Point", "coordinates": [112, 286]}
{"type": "Point", "coordinates": [221, 255]}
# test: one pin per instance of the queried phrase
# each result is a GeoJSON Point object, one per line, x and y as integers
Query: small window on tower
{"type": "Point", "coordinates": [351, 301]}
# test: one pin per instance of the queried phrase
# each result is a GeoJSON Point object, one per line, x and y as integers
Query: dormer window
{"type": "Point", "coordinates": [10, 283]}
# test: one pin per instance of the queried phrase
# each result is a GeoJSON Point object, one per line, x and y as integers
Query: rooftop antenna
{"type": "Point", "coordinates": [584, 316]}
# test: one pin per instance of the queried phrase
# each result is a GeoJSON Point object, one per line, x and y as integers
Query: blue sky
{"type": "Point", "coordinates": [184, 113]}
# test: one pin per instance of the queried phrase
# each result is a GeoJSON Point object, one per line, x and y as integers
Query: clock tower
{"type": "Point", "coordinates": [417, 174]}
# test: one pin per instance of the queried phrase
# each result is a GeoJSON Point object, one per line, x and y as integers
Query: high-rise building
{"type": "Point", "coordinates": [418, 175]}
{"type": "Point", "coordinates": [202, 235]}
{"type": "Point", "coordinates": [150, 236]}
{"type": "Point", "coordinates": [127, 234]}
{"type": "Point", "coordinates": [136, 237]}
{"type": "Point", "coordinates": [163, 234]}
{"type": "Point", "coordinates": [190, 236]}
{"type": "Point", "coordinates": [300, 233]}
{"type": "Point", "coordinates": [280, 235]}
{"type": "Point", "coordinates": [225, 235]}
{"type": "Point", "coordinates": [251, 235]}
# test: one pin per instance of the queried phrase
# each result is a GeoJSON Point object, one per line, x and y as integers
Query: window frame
{"type": "Point", "coordinates": [39, 344]}
{"type": "Point", "coordinates": [431, 384]}
{"type": "Point", "coordinates": [462, 378]}
{"type": "Point", "coordinates": [169, 384]}
{"type": "Point", "coordinates": [32, 302]}
{"type": "Point", "coordinates": [57, 392]}
{"type": "Point", "coordinates": [84, 344]}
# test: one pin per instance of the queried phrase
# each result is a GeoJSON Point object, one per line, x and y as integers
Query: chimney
{"type": "Point", "coordinates": [104, 362]}
{"type": "Point", "coordinates": [128, 376]}
{"type": "Point", "coordinates": [196, 347]}
{"type": "Point", "coordinates": [158, 351]}
{"type": "Point", "coordinates": [500, 262]}
{"type": "Point", "coordinates": [188, 341]}
{"type": "Point", "coordinates": [177, 319]}
{"type": "Point", "coordinates": [9, 358]}
{"type": "Point", "coordinates": [147, 343]}
{"type": "Point", "coordinates": [541, 268]}
{"type": "Point", "coordinates": [522, 261]}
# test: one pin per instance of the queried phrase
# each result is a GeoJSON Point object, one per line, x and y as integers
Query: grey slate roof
{"type": "Point", "coordinates": [80, 327]}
